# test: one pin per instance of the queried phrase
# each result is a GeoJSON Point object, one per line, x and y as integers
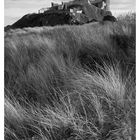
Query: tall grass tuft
{"type": "Point", "coordinates": [71, 82]}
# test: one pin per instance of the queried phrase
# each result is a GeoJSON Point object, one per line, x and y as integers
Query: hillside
{"type": "Point", "coordinates": [68, 13]}
{"type": "Point", "coordinates": [71, 82]}
{"type": "Point", "coordinates": [38, 20]}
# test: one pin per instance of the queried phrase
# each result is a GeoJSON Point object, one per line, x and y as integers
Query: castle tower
{"type": "Point", "coordinates": [107, 5]}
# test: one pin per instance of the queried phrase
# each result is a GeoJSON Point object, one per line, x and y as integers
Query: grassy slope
{"type": "Point", "coordinates": [71, 82]}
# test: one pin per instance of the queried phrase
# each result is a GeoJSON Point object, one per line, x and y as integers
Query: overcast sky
{"type": "Point", "coordinates": [15, 9]}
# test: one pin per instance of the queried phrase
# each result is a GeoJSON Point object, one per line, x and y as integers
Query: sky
{"type": "Point", "coordinates": [15, 9]}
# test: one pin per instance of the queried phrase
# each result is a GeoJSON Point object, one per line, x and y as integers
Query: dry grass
{"type": "Point", "coordinates": [71, 82]}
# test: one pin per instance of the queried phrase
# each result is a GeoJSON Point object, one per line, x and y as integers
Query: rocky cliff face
{"type": "Point", "coordinates": [60, 16]}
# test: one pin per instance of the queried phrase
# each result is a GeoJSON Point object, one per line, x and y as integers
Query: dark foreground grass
{"type": "Point", "coordinates": [71, 82]}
